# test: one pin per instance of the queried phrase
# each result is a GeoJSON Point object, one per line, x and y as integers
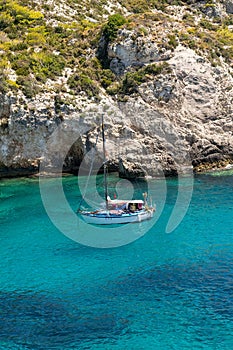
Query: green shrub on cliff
{"type": "Point", "coordinates": [83, 83]}
{"type": "Point", "coordinates": [46, 65]}
{"type": "Point", "coordinates": [6, 20]}
{"type": "Point", "coordinates": [112, 26]}
{"type": "Point", "coordinates": [225, 36]}
{"type": "Point", "coordinates": [28, 86]}
{"type": "Point", "coordinates": [131, 81]}
{"type": "Point", "coordinates": [3, 77]}
{"type": "Point", "coordinates": [38, 47]}
{"type": "Point", "coordinates": [21, 14]}
{"type": "Point", "coordinates": [141, 6]}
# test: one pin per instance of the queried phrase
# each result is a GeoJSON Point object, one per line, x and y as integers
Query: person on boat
{"type": "Point", "coordinates": [145, 198]}
{"type": "Point", "coordinates": [132, 207]}
{"type": "Point", "coordinates": [139, 206]}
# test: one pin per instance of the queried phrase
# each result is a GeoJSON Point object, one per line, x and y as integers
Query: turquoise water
{"type": "Point", "coordinates": [163, 291]}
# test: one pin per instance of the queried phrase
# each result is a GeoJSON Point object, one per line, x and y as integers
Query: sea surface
{"type": "Point", "coordinates": [162, 291]}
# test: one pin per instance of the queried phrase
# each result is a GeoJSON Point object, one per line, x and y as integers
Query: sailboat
{"type": "Point", "coordinates": [117, 211]}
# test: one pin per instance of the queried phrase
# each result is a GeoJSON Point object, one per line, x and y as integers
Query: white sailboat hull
{"type": "Point", "coordinates": [106, 218]}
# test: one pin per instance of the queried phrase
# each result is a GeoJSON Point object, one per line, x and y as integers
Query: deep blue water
{"type": "Point", "coordinates": [163, 291]}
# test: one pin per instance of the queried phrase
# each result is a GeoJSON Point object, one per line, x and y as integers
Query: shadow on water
{"type": "Point", "coordinates": [211, 284]}
{"type": "Point", "coordinates": [94, 315]}
{"type": "Point", "coordinates": [38, 322]}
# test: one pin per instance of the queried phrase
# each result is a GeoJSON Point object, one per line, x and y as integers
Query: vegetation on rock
{"type": "Point", "coordinates": [111, 27]}
{"type": "Point", "coordinates": [132, 80]}
{"type": "Point", "coordinates": [35, 47]}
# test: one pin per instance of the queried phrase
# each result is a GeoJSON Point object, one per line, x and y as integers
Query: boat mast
{"type": "Point", "coordinates": [105, 165]}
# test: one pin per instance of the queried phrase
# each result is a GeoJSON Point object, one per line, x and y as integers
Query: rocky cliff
{"type": "Point", "coordinates": [160, 74]}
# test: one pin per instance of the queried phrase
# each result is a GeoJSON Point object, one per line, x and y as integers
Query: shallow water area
{"type": "Point", "coordinates": [162, 291]}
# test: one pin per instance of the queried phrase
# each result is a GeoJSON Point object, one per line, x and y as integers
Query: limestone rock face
{"type": "Point", "coordinates": [130, 170]}
{"type": "Point", "coordinates": [131, 51]}
{"type": "Point", "coordinates": [174, 121]}
{"type": "Point", "coordinates": [179, 120]}
{"type": "Point", "coordinates": [229, 6]}
{"type": "Point", "coordinates": [24, 130]}
{"type": "Point", "coordinates": [4, 112]}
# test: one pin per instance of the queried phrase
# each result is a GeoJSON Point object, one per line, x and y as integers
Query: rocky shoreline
{"type": "Point", "coordinates": [35, 173]}
{"type": "Point", "coordinates": [212, 167]}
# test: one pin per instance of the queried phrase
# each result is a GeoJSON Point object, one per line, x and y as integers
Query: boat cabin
{"type": "Point", "coordinates": [127, 205]}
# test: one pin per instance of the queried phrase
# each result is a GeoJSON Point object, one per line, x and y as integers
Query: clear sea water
{"type": "Point", "coordinates": [163, 291]}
